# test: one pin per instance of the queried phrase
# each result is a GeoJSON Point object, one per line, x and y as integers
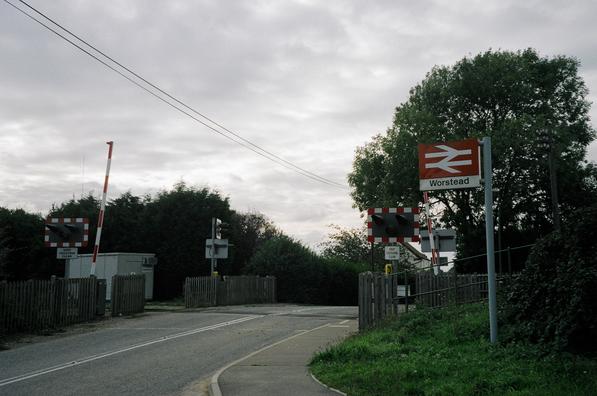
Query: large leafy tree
{"type": "Point", "coordinates": [519, 99]}
{"type": "Point", "coordinates": [247, 232]}
{"type": "Point", "coordinates": [176, 224]}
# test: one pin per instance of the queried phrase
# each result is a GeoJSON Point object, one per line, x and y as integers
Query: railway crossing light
{"type": "Point", "coordinates": [388, 225]}
{"type": "Point", "coordinates": [66, 232]}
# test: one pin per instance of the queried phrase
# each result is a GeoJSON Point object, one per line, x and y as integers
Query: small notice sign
{"type": "Point", "coordinates": [392, 253]}
{"type": "Point", "coordinates": [66, 253]}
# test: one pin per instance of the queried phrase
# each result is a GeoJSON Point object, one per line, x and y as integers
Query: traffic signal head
{"type": "Point", "coordinates": [66, 232]}
{"type": "Point", "coordinates": [388, 225]}
{"type": "Point", "coordinates": [220, 228]}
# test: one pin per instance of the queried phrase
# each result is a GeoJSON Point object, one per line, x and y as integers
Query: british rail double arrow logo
{"type": "Point", "coordinates": [449, 165]}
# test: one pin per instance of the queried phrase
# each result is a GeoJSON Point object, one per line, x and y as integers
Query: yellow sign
{"type": "Point", "coordinates": [388, 269]}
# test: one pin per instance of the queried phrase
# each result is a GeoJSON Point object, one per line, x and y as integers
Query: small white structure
{"type": "Point", "coordinates": [110, 264]}
{"type": "Point", "coordinates": [414, 257]}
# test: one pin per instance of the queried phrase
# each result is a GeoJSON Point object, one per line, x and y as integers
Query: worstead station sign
{"type": "Point", "coordinates": [449, 165]}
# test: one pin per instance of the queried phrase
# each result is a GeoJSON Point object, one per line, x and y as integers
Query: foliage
{"type": "Point", "coordinates": [176, 224]}
{"type": "Point", "coordinates": [350, 245]}
{"type": "Point", "coordinates": [447, 352]}
{"type": "Point", "coordinates": [513, 97]}
{"type": "Point", "coordinates": [296, 268]}
{"type": "Point", "coordinates": [22, 251]}
{"type": "Point", "coordinates": [248, 231]}
{"type": "Point", "coordinates": [304, 277]}
{"type": "Point", "coordinates": [173, 224]}
{"type": "Point", "coordinates": [124, 229]}
{"type": "Point", "coordinates": [554, 300]}
{"type": "Point", "coordinates": [341, 281]}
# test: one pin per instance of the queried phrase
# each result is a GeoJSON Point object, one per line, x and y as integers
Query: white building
{"type": "Point", "coordinates": [109, 264]}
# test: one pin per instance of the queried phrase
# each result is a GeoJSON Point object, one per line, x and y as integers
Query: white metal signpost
{"type": "Point", "coordinates": [450, 165]}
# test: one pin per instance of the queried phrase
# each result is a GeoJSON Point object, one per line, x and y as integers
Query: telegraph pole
{"type": "Point", "coordinates": [553, 181]}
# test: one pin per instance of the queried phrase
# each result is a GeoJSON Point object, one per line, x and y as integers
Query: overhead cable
{"type": "Point", "coordinates": [228, 134]}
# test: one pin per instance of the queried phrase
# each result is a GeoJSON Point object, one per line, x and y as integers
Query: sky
{"type": "Point", "coordinates": [309, 81]}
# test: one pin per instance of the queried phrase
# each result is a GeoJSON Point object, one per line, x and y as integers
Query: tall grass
{"type": "Point", "coordinates": [447, 352]}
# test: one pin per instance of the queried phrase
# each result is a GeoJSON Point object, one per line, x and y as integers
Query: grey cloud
{"type": "Point", "coordinates": [308, 81]}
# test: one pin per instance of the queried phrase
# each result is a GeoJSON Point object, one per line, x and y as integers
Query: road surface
{"type": "Point", "coordinates": [157, 353]}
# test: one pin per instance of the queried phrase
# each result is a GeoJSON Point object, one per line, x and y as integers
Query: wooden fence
{"type": "Point", "coordinates": [377, 298]}
{"type": "Point", "coordinates": [378, 293]}
{"type": "Point", "coordinates": [443, 289]}
{"type": "Point", "coordinates": [128, 294]}
{"type": "Point", "coordinates": [208, 291]}
{"type": "Point", "coordinates": [40, 304]}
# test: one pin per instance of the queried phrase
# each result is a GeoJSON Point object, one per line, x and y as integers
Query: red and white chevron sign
{"type": "Point", "coordinates": [449, 165]}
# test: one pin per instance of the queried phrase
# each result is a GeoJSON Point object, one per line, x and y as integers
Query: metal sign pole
{"type": "Point", "coordinates": [213, 246]}
{"type": "Point", "coordinates": [372, 265]}
{"type": "Point", "coordinates": [491, 284]}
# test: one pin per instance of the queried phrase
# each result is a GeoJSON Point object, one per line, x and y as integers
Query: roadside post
{"type": "Point", "coordinates": [487, 173]}
{"type": "Point", "coordinates": [456, 165]}
{"type": "Point", "coordinates": [216, 247]}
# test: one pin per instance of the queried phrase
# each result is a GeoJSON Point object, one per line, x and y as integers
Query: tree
{"type": "Point", "coordinates": [22, 251]}
{"type": "Point", "coordinates": [350, 245]}
{"type": "Point", "coordinates": [175, 226]}
{"type": "Point", "coordinates": [299, 272]}
{"type": "Point", "coordinates": [124, 229]}
{"type": "Point", "coordinates": [248, 231]}
{"type": "Point", "coordinates": [513, 97]}
{"type": "Point", "coordinates": [554, 299]}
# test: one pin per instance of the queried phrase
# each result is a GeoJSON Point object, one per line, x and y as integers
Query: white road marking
{"type": "Point", "coordinates": [33, 374]}
{"type": "Point", "coordinates": [344, 321]}
{"type": "Point", "coordinates": [215, 387]}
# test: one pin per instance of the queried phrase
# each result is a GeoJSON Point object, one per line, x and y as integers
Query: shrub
{"type": "Point", "coordinates": [554, 300]}
{"type": "Point", "coordinates": [303, 276]}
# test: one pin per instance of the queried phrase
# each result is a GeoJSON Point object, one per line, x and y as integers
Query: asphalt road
{"type": "Point", "coordinates": [158, 353]}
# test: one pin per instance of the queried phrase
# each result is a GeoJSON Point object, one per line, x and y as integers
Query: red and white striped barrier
{"type": "Point", "coordinates": [100, 220]}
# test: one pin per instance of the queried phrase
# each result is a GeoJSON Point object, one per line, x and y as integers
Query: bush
{"type": "Point", "coordinates": [303, 276]}
{"type": "Point", "coordinates": [554, 300]}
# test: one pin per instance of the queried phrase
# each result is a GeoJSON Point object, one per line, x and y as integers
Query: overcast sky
{"type": "Point", "coordinates": [307, 80]}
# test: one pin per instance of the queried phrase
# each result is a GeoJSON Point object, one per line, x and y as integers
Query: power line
{"type": "Point", "coordinates": [237, 138]}
{"type": "Point", "coordinates": [176, 99]}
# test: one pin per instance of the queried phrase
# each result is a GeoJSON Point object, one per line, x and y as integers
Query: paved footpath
{"type": "Point", "coordinates": [281, 369]}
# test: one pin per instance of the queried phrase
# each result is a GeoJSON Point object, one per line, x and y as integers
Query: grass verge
{"type": "Point", "coordinates": [447, 352]}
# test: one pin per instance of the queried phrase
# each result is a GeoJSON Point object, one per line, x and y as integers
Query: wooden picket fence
{"type": "Point", "coordinates": [377, 298]}
{"type": "Point", "coordinates": [443, 289]}
{"type": "Point", "coordinates": [206, 291]}
{"type": "Point", "coordinates": [128, 294]}
{"type": "Point", "coordinates": [41, 304]}
{"type": "Point", "coordinates": [378, 293]}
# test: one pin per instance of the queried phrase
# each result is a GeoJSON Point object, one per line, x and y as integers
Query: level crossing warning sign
{"type": "Point", "coordinates": [449, 165]}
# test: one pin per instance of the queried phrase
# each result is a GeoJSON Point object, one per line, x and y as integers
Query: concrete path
{"type": "Point", "coordinates": [281, 368]}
